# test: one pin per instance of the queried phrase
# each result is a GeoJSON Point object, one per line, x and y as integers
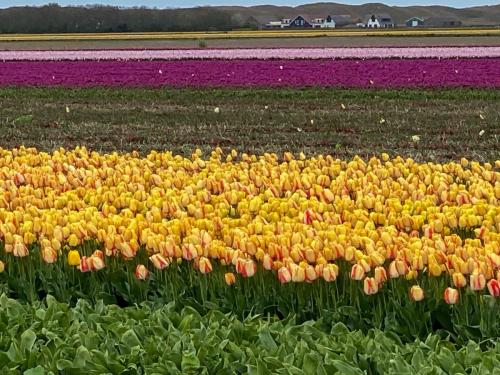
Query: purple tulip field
{"type": "Point", "coordinates": [309, 67]}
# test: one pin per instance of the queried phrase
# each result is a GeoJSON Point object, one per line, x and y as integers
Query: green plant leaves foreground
{"type": "Point", "coordinates": [54, 338]}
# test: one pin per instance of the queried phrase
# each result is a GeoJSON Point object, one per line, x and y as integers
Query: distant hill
{"type": "Point", "coordinates": [53, 18]}
{"type": "Point", "coordinates": [474, 16]}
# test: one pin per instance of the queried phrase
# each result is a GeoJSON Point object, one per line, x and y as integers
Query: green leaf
{"type": "Point", "coordinates": [130, 339]}
{"type": "Point", "coordinates": [38, 370]}
{"type": "Point", "coordinates": [82, 355]}
{"type": "Point", "coordinates": [345, 368]}
{"type": "Point", "coordinates": [28, 338]}
{"type": "Point", "coordinates": [310, 364]}
{"type": "Point", "coordinates": [266, 340]}
{"type": "Point", "coordinates": [446, 359]}
{"type": "Point", "coordinates": [190, 361]}
{"type": "Point", "coordinates": [418, 360]}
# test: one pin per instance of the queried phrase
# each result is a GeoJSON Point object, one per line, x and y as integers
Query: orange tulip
{"type": "Point", "coordinates": [267, 262]}
{"type": "Point", "coordinates": [49, 255]}
{"type": "Point", "coordinates": [357, 272]}
{"type": "Point", "coordinates": [249, 268]}
{"type": "Point", "coordinates": [330, 272]}
{"type": "Point", "coordinates": [459, 280]}
{"type": "Point", "coordinates": [370, 286]}
{"type": "Point", "coordinates": [97, 263]}
{"type": "Point", "coordinates": [99, 254]}
{"type": "Point", "coordinates": [393, 271]}
{"type": "Point", "coordinates": [159, 262]}
{"type": "Point", "coordinates": [189, 251]}
{"type": "Point", "coordinates": [85, 265]}
{"type": "Point", "coordinates": [284, 275]}
{"type": "Point", "coordinates": [416, 293]}
{"type": "Point", "coordinates": [205, 265]}
{"type": "Point", "coordinates": [141, 272]}
{"type": "Point", "coordinates": [451, 296]}
{"type": "Point", "coordinates": [477, 281]}
{"type": "Point", "coordinates": [494, 287]}
{"type": "Point", "coordinates": [20, 250]}
{"type": "Point", "coordinates": [230, 278]}
{"type": "Point", "coordinates": [380, 275]}
{"type": "Point", "coordinates": [310, 273]}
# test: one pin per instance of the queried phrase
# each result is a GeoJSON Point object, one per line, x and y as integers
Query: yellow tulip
{"type": "Point", "coordinates": [74, 258]}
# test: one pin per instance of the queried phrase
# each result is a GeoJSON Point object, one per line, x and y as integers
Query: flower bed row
{"type": "Point", "coordinates": [332, 233]}
{"type": "Point", "coordinates": [259, 53]}
{"type": "Point", "coordinates": [98, 339]}
{"type": "Point", "coordinates": [483, 73]}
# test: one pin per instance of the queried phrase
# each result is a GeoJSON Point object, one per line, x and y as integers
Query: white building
{"type": "Point", "coordinates": [323, 23]}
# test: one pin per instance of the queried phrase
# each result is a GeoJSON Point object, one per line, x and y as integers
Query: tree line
{"type": "Point", "coordinates": [53, 18]}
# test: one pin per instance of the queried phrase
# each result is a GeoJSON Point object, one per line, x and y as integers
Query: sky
{"type": "Point", "coordinates": [192, 3]}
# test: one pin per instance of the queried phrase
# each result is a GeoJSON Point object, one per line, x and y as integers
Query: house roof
{"type": "Point", "coordinates": [340, 18]}
{"type": "Point", "coordinates": [415, 18]}
{"type": "Point", "coordinates": [379, 16]}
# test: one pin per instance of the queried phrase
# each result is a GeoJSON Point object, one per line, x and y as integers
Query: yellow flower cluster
{"type": "Point", "coordinates": [388, 218]}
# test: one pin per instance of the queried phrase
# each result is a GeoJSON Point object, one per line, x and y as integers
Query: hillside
{"type": "Point", "coordinates": [475, 16]}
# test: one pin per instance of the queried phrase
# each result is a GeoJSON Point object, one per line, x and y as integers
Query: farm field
{"type": "Point", "coordinates": [261, 211]}
{"type": "Point", "coordinates": [275, 42]}
{"type": "Point", "coordinates": [261, 34]}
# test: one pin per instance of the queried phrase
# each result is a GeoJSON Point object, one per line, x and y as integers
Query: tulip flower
{"type": "Point", "coordinates": [284, 275]}
{"type": "Point", "coordinates": [380, 275]}
{"type": "Point", "coordinates": [249, 268]}
{"type": "Point", "coordinates": [494, 287]}
{"type": "Point", "coordinates": [459, 280]}
{"type": "Point", "coordinates": [205, 265]}
{"type": "Point", "coordinates": [74, 258]}
{"type": "Point", "coordinates": [49, 255]}
{"type": "Point", "coordinates": [451, 296]}
{"type": "Point", "coordinates": [97, 263]}
{"type": "Point", "coordinates": [357, 272]}
{"type": "Point", "coordinates": [2, 266]}
{"type": "Point", "coordinates": [310, 273]}
{"type": "Point", "coordinates": [229, 278]}
{"type": "Point", "coordinates": [370, 286]}
{"type": "Point", "coordinates": [298, 274]}
{"type": "Point", "coordinates": [393, 271]}
{"type": "Point", "coordinates": [477, 282]}
{"type": "Point", "coordinates": [141, 272]}
{"type": "Point", "coordinates": [416, 293]}
{"type": "Point", "coordinates": [267, 262]}
{"type": "Point", "coordinates": [159, 262]}
{"type": "Point", "coordinates": [73, 240]}
{"type": "Point", "coordinates": [20, 250]}
{"type": "Point", "coordinates": [85, 264]}
{"type": "Point", "coordinates": [330, 272]}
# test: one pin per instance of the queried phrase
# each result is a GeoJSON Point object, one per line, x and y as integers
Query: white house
{"type": "Point", "coordinates": [302, 22]}
{"type": "Point", "coordinates": [383, 21]}
{"type": "Point", "coordinates": [285, 22]}
{"type": "Point", "coordinates": [373, 22]}
{"type": "Point", "coordinates": [323, 23]}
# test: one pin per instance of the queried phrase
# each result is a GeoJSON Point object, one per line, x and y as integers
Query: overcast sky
{"type": "Point", "coordinates": [191, 3]}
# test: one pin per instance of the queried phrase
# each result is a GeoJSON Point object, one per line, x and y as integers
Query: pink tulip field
{"type": "Point", "coordinates": [258, 53]}
{"type": "Point", "coordinates": [306, 67]}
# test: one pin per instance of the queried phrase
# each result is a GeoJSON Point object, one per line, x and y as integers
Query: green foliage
{"type": "Point", "coordinates": [391, 310]}
{"type": "Point", "coordinates": [52, 338]}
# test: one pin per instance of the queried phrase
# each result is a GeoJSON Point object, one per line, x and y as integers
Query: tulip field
{"type": "Point", "coordinates": [260, 211]}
